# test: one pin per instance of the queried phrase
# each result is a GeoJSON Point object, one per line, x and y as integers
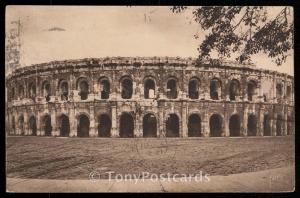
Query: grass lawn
{"type": "Point", "coordinates": [75, 158]}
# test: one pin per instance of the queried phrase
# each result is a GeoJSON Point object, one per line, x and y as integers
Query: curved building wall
{"type": "Point", "coordinates": [95, 97]}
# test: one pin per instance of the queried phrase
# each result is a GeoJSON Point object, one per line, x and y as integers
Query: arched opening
{"type": "Point", "coordinates": [289, 125]}
{"type": "Point", "coordinates": [21, 125]}
{"type": "Point", "coordinates": [126, 126]}
{"type": "Point", "coordinates": [288, 92]}
{"type": "Point", "coordinates": [47, 125]}
{"type": "Point", "coordinates": [279, 90]}
{"type": "Point", "coordinates": [279, 125]}
{"type": "Point", "coordinates": [64, 90]}
{"type": "Point", "coordinates": [13, 126]}
{"type": "Point", "coordinates": [149, 125]}
{"type": "Point", "coordinates": [171, 89]}
{"type": "Point", "coordinates": [65, 126]}
{"type": "Point", "coordinates": [234, 89]}
{"type": "Point", "coordinates": [46, 90]}
{"type": "Point", "coordinates": [215, 89]}
{"type": "Point", "coordinates": [104, 125]}
{"type": "Point", "coordinates": [83, 126]}
{"type": "Point", "coordinates": [32, 125]}
{"type": "Point", "coordinates": [194, 88]}
{"type": "Point", "coordinates": [126, 88]}
{"type": "Point", "coordinates": [104, 88]}
{"type": "Point", "coordinates": [234, 125]}
{"type": "Point", "coordinates": [172, 126]}
{"type": "Point", "coordinates": [149, 89]}
{"type": "Point", "coordinates": [194, 126]}
{"type": "Point", "coordinates": [83, 89]}
{"type": "Point", "coordinates": [251, 89]}
{"type": "Point", "coordinates": [251, 125]}
{"type": "Point", "coordinates": [21, 92]}
{"type": "Point", "coordinates": [267, 125]}
{"type": "Point", "coordinates": [32, 91]}
{"type": "Point", "coordinates": [215, 125]}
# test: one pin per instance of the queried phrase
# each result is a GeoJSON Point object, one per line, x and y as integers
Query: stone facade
{"type": "Point", "coordinates": [148, 97]}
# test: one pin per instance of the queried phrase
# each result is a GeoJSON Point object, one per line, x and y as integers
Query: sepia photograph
{"type": "Point", "coordinates": [149, 99]}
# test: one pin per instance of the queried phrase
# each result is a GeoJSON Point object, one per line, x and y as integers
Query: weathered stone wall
{"type": "Point", "coordinates": [32, 102]}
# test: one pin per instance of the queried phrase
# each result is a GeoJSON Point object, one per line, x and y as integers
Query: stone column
{"type": "Point", "coordinates": [205, 125]}
{"type": "Point", "coordinates": [273, 124]}
{"type": "Point", "coordinates": [244, 131]}
{"type": "Point", "coordinates": [184, 129]}
{"type": "Point", "coordinates": [26, 130]}
{"type": "Point", "coordinates": [114, 127]}
{"type": "Point", "coordinates": [73, 122]}
{"type": "Point", "coordinates": [161, 131]}
{"type": "Point", "coordinates": [260, 131]}
{"type": "Point", "coordinates": [285, 123]}
{"type": "Point", "coordinates": [39, 131]}
{"type": "Point", "coordinates": [92, 132]}
{"type": "Point", "coordinates": [225, 123]}
{"type": "Point", "coordinates": [55, 127]}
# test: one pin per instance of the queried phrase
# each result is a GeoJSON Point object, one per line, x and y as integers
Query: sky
{"type": "Point", "coordinates": [73, 32]}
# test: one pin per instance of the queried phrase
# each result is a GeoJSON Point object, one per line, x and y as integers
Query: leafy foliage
{"type": "Point", "coordinates": [243, 30]}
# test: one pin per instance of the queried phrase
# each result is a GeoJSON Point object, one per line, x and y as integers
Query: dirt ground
{"type": "Point", "coordinates": [76, 158]}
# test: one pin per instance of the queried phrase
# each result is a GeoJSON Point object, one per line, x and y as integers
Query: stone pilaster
{"type": "Point", "coordinates": [184, 129]}
{"type": "Point", "coordinates": [114, 127]}
{"type": "Point", "coordinates": [93, 131]}
{"type": "Point", "coordinates": [73, 123]}
{"type": "Point", "coordinates": [54, 124]}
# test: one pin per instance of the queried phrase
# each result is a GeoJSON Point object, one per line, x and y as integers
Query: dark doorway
{"type": "Point", "coordinates": [47, 125]}
{"type": "Point", "coordinates": [251, 90]}
{"type": "Point", "coordinates": [104, 125]}
{"type": "Point", "coordinates": [105, 88]}
{"type": "Point", "coordinates": [279, 125]}
{"type": "Point", "coordinates": [172, 89]}
{"type": "Point", "coordinates": [149, 89]}
{"type": "Point", "coordinates": [46, 90]}
{"type": "Point", "coordinates": [127, 88]}
{"type": "Point", "coordinates": [32, 125]}
{"type": "Point", "coordinates": [21, 124]}
{"type": "Point", "coordinates": [194, 89]}
{"type": "Point", "coordinates": [267, 126]}
{"type": "Point", "coordinates": [84, 90]}
{"type": "Point", "coordinates": [215, 125]}
{"type": "Point", "coordinates": [251, 125]}
{"type": "Point", "coordinates": [194, 126]}
{"type": "Point", "coordinates": [83, 127]}
{"type": "Point", "coordinates": [64, 91]}
{"type": "Point", "coordinates": [149, 125]}
{"type": "Point", "coordinates": [13, 126]}
{"type": "Point", "coordinates": [126, 126]}
{"type": "Point", "coordinates": [234, 89]}
{"type": "Point", "coordinates": [289, 125]}
{"type": "Point", "coordinates": [172, 126]}
{"type": "Point", "coordinates": [234, 126]}
{"type": "Point", "coordinates": [215, 89]}
{"type": "Point", "coordinates": [65, 126]}
{"type": "Point", "coordinates": [279, 91]}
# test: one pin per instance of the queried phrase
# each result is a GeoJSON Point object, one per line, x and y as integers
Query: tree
{"type": "Point", "coordinates": [243, 31]}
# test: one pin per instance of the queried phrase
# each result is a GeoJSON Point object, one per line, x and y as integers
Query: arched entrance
{"type": "Point", "coordinates": [215, 125]}
{"type": "Point", "coordinates": [126, 88]}
{"type": "Point", "coordinates": [83, 89]}
{"type": "Point", "coordinates": [279, 125]}
{"type": "Point", "coordinates": [83, 126]}
{"type": "Point", "coordinates": [171, 89]}
{"type": "Point", "coordinates": [126, 126]}
{"type": "Point", "coordinates": [234, 89]}
{"type": "Point", "coordinates": [234, 126]}
{"type": "Point", "coordinates": [267, 126]}
{"type": "Point", "coordinates": [251, 125]}
{"type": "Point", "coordinates": [104, 125]}
{"type": "Point", "coordinates": [64, 89]}
{"type": "Point", "coordinates": [194, 88]}
{"type": "Point", "coordinates": [21, 125]}
{"type": "Point", "coordinates": [172, 126]}
{"type": "Point", "coordinates": [47, 125]}
{"type": "Point", "coordinates": [251, 89]}
{"type": "Point", "coordinates": [149, 125]}
{"type": "Point", "coordinates": [194, 126]}
{"type": "Point", "coordinates": [32, 125]}
{"type": "Point", "coordinates": [65, 126]}
{"type": "Point", "coordinates": [215, 89]}
{"type": "Point", "coordinates": [104, 88]}
{"type": "Point", "coordinates": [149, 89]}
